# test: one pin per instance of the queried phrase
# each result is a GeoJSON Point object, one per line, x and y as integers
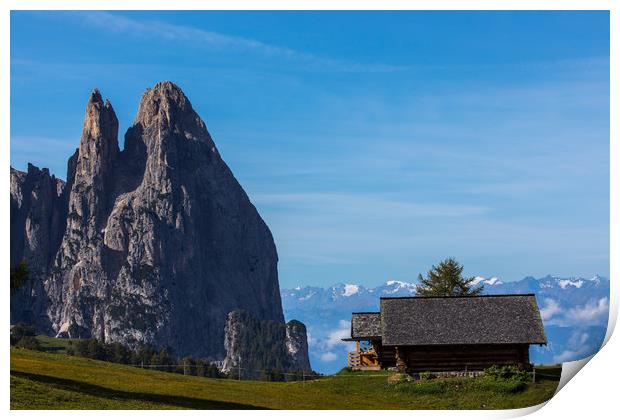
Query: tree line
{"type": "Point", "coordinates": [148, 357]}
{"type": "Point", "coordinates": [145, 356]}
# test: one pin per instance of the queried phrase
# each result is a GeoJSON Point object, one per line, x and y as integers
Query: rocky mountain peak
{"type": "Point", "coordinates": [166, 108]}
{"type": "Point", "coordinates": [255, 347]}
{"type": "Point", "coordinates": [99, 142]}
{"type": "Point", "coordinates": [156, 244]}
{"type": "Point", "coordinates": [170, 91]}
{"type": "Point", "coordinates": [95, 96]}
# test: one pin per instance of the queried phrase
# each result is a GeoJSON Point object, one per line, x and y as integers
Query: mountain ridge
{"type": "Point", "coordinates": [156, 243]}
{"type": "Point", "coordinates": [574, 311]}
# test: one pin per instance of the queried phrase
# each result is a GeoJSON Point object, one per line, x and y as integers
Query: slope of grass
{"type": "Point", "coordinates": [55, 381]}
{"type": "Point", "coordinates": [54, 345]}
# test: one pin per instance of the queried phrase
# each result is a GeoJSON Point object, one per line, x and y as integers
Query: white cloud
{"type": "Point", "coordinates": [171, 32]}
{"type": "Point", "coordinates": [329, 356]}
{"type": "Point", "coordinates": [550, 309]}
{"type": "Point", "coordinates": [591, 312]}
{"type": "Point", "coordinates": [335, 337]}
{"type": "Point", "coordinates": [368, 206]}
{"type": "Point", "coordinates": [568, 356]}
{"type": "Point", "coordinates": [578, 348]}
{"type": "Point", "coordinates": [310, 339]}
{"type": "Point", "coordinates": [330, 347]}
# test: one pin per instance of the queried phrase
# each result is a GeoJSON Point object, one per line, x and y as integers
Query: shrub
{"type": "Point", "coordinates": [21, 330]}
{"type": "Point", "coordinates": [427, 376]}
{"type": "Point", "coordinates": [505, 379]}
{"type": "Point", "coordinates": [511, 386]}
{"type": "Point", "coordinates": [29, 342]}
{"type": "Point", "coordinates": [507, 373]}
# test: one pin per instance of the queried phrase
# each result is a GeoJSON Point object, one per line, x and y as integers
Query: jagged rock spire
{"type": "Point", "coordinates": [99, 142]}
{"type": "Point", "coordinates": [161, 241]}
{"type": "Point", "coordinates": [79, 271]}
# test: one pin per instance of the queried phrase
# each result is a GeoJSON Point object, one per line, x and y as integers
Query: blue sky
{"type": "Point", "coordinates": [374, 144]}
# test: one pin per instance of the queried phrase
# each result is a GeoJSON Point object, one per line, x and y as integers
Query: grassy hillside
{"type": "Point", "coordinates": [54, 345]}
{"type": "Point", "coordinates": [56, 381]}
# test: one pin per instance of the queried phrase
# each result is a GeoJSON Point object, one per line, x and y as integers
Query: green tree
{"type": "Point", "coordinates": [446, 279]}
{"type": "Point", "coordinates": [94, 350]}
{"type": "Point", "coordinates": [276, 375]}
{"type": "Point", "coordinates": [143, 355]}
{"type": "Point", "coordinates": [120, 354]}
{"type": "Point", "coordinates": [80, 348]}
{"type": "Point", "coordinates": [19, 275]}
{"type": "Point", "coordinates": [164, 359]}
{"type": "Point", "coordinates": [21, 330]}
{"type": "Point", "coordinates": [189, 366]}
{"type": "Point", "coordinates": [201, 368]}
{"type": "Point", "coordinates": [154, 363]}
{"type": "Point", "coordinates": [29, 342]}
{"type": "Point", "coordinates": [213, 371]}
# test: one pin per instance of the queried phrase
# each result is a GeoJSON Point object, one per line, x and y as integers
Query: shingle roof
{"type": "Point", "coordinates": [486, 319]}
{"type": "Point", "coordinates": [365, 325]}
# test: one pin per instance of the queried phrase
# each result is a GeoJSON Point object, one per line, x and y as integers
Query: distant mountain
{"type": "Point", "coordinates": [574, 311]}
{"type": "Point", "coordinates": [486, 282]}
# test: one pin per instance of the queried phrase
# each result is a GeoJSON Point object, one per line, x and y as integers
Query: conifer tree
{"type": "Point", "coordinates": [446, 279]}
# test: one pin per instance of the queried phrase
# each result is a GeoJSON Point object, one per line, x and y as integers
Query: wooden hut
{"type": "Point", "coordinates": [441, 334]}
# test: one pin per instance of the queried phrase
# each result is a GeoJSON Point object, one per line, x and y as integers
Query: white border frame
{"type": "Point", "coordinates": [592, 395]}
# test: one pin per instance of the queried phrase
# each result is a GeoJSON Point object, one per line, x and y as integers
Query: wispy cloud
{"type": "Point", "coordinates": [551, 308]}
{"type": "Point", "coordinates": [593, 312]}
{"type": "Point", "coordinates": [328, 345]}
{"type": "Point", "coordinates": [136, 28]}
{"type": "Point", "coordinates": [369, 206]}
{"type": "Point", "coordinates": [334, 338]}
{"type": "Point", "coordinates": [331, 340]}
{"type": "Point", "coordinates": [579, 346]}
{"type": "Point", "coordinates": [329, 356]}
{"type": "Point", "coordinates": [368, 225]}
{"type": "Point", "coordinates": [504, 167]}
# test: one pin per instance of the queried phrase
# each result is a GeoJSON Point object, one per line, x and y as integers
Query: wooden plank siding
{"type": "Point", "coordinates": [454, 357]}
{"type": "Point", "coordinates": [449, 333]}
{"type": "Point", "coordinates": [387, 355]}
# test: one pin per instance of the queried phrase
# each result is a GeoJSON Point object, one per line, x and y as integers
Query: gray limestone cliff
{"type": "Point", "coordinates": [297, 345]}
{"type": "Point", "coordinates": [38, 217]}
{"type": "Point", "coordinates": [156, 243]}
{"type": "Point", "coordinates": [258, 348]}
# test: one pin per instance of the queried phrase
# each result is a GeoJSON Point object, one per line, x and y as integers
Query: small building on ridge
{"type": "Point", "coordinates": [444, 334]}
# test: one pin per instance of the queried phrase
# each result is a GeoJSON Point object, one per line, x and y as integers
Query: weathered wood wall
{"type": "Point", "coordinates": [455, 357]}
{"type": "Point", "coordinates": [387, 355]}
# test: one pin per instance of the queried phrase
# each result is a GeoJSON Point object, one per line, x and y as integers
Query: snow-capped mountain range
{"type": "Point", "coordinates": [574, 311]}
{"type": "Point", "coordinates": [490, 281]}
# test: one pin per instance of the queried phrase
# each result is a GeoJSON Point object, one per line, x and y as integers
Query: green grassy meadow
{"type": "Point", "coordinates": [42, 380]}
{"type": "Point", "coordinates": [53, 345]}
